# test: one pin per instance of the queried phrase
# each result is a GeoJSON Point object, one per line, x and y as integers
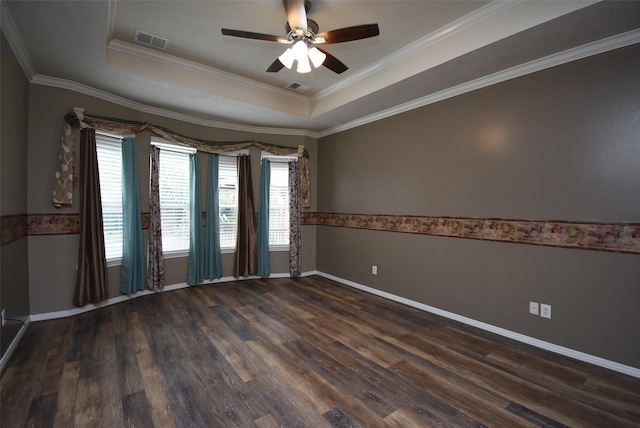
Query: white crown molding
{"type": "Point", "coordinates": [488, 11]}
{"type": "Point", "coordinates": [143, 108]}
{"type": "Point", "coordinates": [572, 353]}
{"type": "Point", "coordinates": [594, 48]}
{"type": "Point", "coordinates": [15, 41]}
{"type": "Point", "coordinates": [111, 19]}
{"type": "Point", "coordinates": [574, 54]}
{"type": "Point", "coordinates": [150, 54]}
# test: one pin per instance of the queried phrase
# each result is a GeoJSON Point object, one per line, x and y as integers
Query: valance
{"type": "Point", "coordinates": [65, 176]}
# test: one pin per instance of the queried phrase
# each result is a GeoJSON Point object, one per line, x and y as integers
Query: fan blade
{"type": "Point", "coordinates": [250, 35]}
{"type": "Point", "coordinates": [350, 33]}
{"type": "Point", "coordinates": [296, 14]}
{"type": "Point", "coordinates": [275, 67]}
{"type": "Point", "coordinates": [333, 63]}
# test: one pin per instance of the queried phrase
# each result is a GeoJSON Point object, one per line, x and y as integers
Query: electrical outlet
{"type": "Point", "coordinates": [374, 269]}
{"type": "Point", "coordinates": [545, 311]}
{"type": "Point", "coordinates": [3, 318]}
{"type": "Point", "coordinates": [533, 308]}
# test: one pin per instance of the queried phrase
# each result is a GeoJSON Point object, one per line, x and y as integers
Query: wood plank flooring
{"type": "Point", "coordinates": [295, 353]}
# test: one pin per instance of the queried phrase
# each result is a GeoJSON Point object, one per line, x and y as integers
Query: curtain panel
{"type": "Point", "coordinates": [295, 229]}
{"type": "Point", "coordinates": [245, 262]}
{"type": "Point", "coordinates": [195, 273]}
{"type": "Point", "coordinates": [264, 265]}
{"type": "Point", "coordinates": [213, 256]}
{"type": "Point", "coordinates": [155, 258]}
{"type": "Point", "coordinates": [91, 283]}
{"type": "Point", "coordinates": [66, 163]}
{"type": "Point", "coordinates": [132, 272]}
{"type": "Point", "coordinates": [66, 175]}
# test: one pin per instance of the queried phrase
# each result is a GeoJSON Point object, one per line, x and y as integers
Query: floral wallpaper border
{"type": "Point", "coordinates": [614, 237]}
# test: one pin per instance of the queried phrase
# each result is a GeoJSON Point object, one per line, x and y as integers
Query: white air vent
{"type": "Point", "coordinates": [151, 40]}
{"type": "Point", "coordinates": [298, 87]}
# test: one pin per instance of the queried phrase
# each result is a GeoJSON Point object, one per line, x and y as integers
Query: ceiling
{"type": "Point", "coordinates": [426, 51]}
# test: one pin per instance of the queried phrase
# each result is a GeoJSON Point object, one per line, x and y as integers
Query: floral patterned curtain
{"type": "Point", "coordinates": [295, 232]}
{"type": "Point", "coordinates": [155, 260]}
{"type": "Point", "coordinates": [65, 178]}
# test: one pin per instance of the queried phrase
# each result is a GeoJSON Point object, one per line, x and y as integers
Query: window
{"type": "Point", "coordinates": [228, 200]}
{"type": "Point", "coordinates": [174, 198]}
{"type": "Point", "coordinates": [279, 201]}
{"type": "Point", "coordinates": [109, 150]}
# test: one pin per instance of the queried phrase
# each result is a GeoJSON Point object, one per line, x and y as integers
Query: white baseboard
{"type": "Point", "coordinates": [91, 306]}
{"type": "Point", "coordinates": [581, 356]}
{"type": "Point", "coordinates": [14, 344]}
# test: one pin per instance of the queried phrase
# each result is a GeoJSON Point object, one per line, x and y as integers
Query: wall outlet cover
{"type": "Point", "coordinates": [533, 308]}
{"type": "Point", "coordinates": [545, 311]}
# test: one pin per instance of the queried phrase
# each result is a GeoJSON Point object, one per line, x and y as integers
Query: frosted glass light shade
{"type": "Point", "coordinates": [316, 57]}
{"type": "Point", "coordinates": [303, 65]}
{"type": "Point", "coordinates": [300, 50]}
{"type": "Point", "coordinates": [287, 58]}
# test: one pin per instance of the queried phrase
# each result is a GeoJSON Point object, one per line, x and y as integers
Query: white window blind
{"type": "Point", "coordinates": [174, 200]}
{"type": "Point", "coordinates": [279, 204]}
{"type": "Point", "coordinates": [109, 150]}
{"type": "Point", "coordinates": [228, 198]}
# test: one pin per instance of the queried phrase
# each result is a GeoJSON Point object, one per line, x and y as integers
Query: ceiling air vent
{"type": "Point", "coordinates": [151, 40]}
{"type": "Point", "coordinates": [298, 87]}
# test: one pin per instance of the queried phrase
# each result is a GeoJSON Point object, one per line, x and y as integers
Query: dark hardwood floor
{"type": "Point", "coordinates": [295, 353]}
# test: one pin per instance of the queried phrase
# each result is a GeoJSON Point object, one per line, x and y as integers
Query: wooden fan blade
{"type": "Point", "coordinates": [249, 35]}
{"type": "Point", "coordinates": [296, 14]}
{"type": "Point", "coordinates": [333, 63]}
{"type": "Point", "coordinates": [350, 33]}
{"type": "Point", "coordinates": [275, 67]}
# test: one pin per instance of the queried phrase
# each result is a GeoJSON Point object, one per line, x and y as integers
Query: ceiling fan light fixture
{"type": "Point", "coordinates": [316, 57]}
{"type": "Point", "coordinates": [287, 58]}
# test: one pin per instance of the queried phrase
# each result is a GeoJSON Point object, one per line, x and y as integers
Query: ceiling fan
{"type": "Point", "coordinates": [303, 37]}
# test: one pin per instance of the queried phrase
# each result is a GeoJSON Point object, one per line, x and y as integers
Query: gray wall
{"type": "Point", "coordinates": [52, 259]}
{"type": "Point", "coordinates": [560, 144]}
{"type": "Point", "coordinates": [14, 270]}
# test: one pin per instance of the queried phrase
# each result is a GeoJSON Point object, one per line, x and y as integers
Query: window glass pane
{"type": "Point", "coordinates": [174, 200]}
{"type": "Point", "coordinates": [109, 150]}
{"type": "Point", "coordinates": [228, 191]}
{"type": "Point", "coordinates": [279, 204]}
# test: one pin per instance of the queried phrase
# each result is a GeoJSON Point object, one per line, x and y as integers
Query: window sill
{"type": "Point", "coordinates": [114, 262]}
{"type": "Point", "coordinates": [180, 254]}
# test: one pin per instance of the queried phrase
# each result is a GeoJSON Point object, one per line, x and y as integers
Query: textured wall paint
{"type": "Point", "coordinates": [57, 254]}
{"type": "Point", "coordinates": [14, 270]}
{"type": "Point", "coordinates": [561, 144]}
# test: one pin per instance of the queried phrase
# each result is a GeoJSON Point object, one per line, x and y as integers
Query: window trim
{"type": "Point", "coordinates": [175, 148]}
{"type": "Point", "coordinates": [279, 159]}
{"type": "Point", "coordinates": [113, 139]}
{"type": "Point", "coordinates": [234, 154]}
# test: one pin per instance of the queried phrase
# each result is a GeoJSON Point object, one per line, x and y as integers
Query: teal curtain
{"type": "Point", "coordinates": [213, 258]}
{"type": "Point", "coordinates": [264, 268]}
{"type": "Point", "coordinates": [195, 273]}
{"type": "Point", "coordinates": [132, 273]}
